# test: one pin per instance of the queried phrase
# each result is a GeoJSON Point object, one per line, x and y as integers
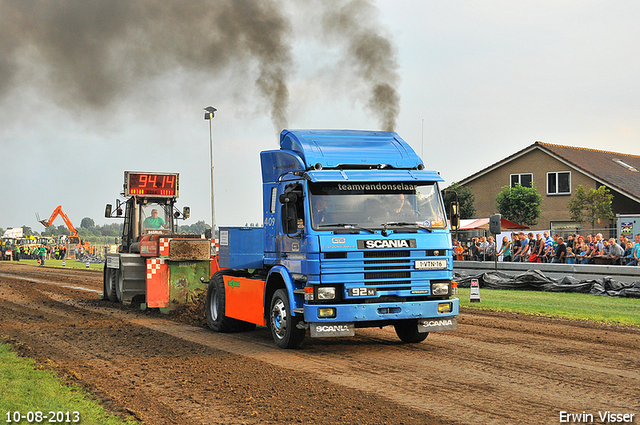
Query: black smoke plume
{"type": "Point", "coordinates": [90, 53]}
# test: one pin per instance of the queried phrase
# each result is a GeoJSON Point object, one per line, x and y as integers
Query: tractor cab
{"type": "Point", "coordinates": [150, 208]}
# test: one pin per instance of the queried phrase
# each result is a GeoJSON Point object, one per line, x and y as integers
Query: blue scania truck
{"type": "Point", "coordinates": [355, 235]}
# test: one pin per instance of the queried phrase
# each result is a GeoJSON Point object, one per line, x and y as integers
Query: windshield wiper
{"type": "Point", "coordinates": [406, 223]}
{"type": "Point", "coordinates": [347, 226]}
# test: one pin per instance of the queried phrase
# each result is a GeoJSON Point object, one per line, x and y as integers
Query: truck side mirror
{"type": "Point", "coordinates": [288, 198]}
{"type": "Point", "coordinates": [186, 212]}
{"type": "Point", "coordinates": [107, 210]}
{"type": "Point", "coordinates": [289, 212]}
{"type": "Point", "coordinates": [289, 218]}
{"type": "Point", "coordinates": [454, 217]}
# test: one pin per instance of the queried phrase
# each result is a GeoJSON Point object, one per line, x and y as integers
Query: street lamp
{"type": "Point", "coordinates": [208, 115]}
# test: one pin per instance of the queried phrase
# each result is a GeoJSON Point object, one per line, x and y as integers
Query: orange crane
{"type": "Point", "coordinates": [73, 238]}
{"type": "Point", "coordinates": [56, 212]}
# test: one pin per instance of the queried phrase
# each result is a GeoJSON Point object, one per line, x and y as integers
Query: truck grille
{"type": "Point", "coordinates": [387, 275]}
{"type": "Point", "coordinates": [386, 254]}
{"type": "Point", "coordinates": [387, 270]}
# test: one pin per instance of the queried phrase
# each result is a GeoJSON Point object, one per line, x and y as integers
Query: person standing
{"type": "Point", "coordinates": [636, 252]}
{"type": "Point", "coordinates": [522, 252]}
{"type": "Point", "coordinates": [43, 254]}
{"type": "Point", "coordinates": [505, 250]}
{"type": "Point", "coordinates": [490, 250]}
{"type": "Point", "coordinates": [547, 243]}
{"type": "Point", "coordinates": [561, 251]}
{"type": "Point", "coordinates": [475, 250]}
{"type": "Point", "coordinates": [482, 246]}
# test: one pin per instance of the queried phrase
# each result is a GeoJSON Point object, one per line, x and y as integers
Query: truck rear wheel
{"type": "Point", "coordinates": [282, 324]}
{"type": "Point", "coordinates": [215, 307]}
{"type": "Point", "coordinates": [407, 331]}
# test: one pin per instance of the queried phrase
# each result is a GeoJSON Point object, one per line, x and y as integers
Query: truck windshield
{"type": "Point", "coordinates": [376, 205]}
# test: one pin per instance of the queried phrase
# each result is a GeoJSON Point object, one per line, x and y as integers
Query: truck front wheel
{"type": "Point", "coordinates": [282, 324]}
{"type": "Point", "coordinates": [407, 331]}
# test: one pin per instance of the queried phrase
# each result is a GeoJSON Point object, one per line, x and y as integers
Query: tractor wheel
{"type": "Point", "coordinates": [109, 285]}
{"type": "Point", "coordinates": [105, 276]}
{"type": "Point", "coordinates": [215, 307]}
{"type": "Point", "coordinates": [118, 284]}
{"type": "Point", "coordinates": [407, 331]}
{"type": "Point", "coordinates": [282, 324]}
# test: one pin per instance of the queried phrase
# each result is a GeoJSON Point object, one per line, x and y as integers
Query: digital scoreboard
{"type": "Point", "coordinates": [151, 184]}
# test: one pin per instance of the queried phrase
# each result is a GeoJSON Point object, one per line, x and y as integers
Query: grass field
{"type": "Point", "coordinates": [69, 264]}
{"type": "Point", "coordinates": [28, 388]}
{"type": "Point", "coordinates": [611, 310]}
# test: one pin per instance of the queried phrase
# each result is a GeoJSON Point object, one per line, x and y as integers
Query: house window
{"type": "Point", "coordinates": [625, 165]}
{"type": "Point", "coordinates": [525, 180]}
{"type": "Point", "coordinates": [559, 183]}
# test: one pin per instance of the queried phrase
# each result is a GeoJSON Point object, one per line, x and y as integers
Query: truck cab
{"type": "Point", "coordinates": [355, 235]}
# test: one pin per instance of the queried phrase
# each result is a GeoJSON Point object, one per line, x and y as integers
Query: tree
{"type": "Point", "coordinates": [590, 207]}
{"type": "Point", "coordinates": [87, 223]}
{"type": "Point", "coordinates": [465, 199]}
{"type": "Point", "coordinates": [26, 230]}
{"type": "Point", "coordinates": [197, 228]}
{"type": "Point", "coordinates": [113, 229]}
{"type": "Point", "coordinates": [520, 204]}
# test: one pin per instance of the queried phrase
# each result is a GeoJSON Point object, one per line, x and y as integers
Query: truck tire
{"type": "Point", "coordinates": [215, 307]}
{"type": "Point", "coordinates": [282, 324]}
{"type": "Point", "coordinates": [407, 331]}
{"type": "Point", "coordinates": [109, 284]}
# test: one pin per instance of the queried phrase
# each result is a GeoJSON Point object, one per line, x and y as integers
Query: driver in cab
{"type": "Point", "coordinates": [397, 208]}
{"type": "Point", "coordinates": [154, 222]}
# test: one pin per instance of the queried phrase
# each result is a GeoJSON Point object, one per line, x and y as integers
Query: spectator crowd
{"type": "Point", "coordinates": [544, 248]}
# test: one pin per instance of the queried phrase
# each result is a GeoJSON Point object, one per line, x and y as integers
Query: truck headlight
{"type": "Point", "coordinates": [326, 293]}
{"type": "Point", "coordinates": [439, 288]}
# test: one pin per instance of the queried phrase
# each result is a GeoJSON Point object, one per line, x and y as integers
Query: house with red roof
{"type": "Point", "coordinates": [557, 171]}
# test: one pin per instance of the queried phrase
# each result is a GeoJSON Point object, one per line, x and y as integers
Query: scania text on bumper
{"type": "Point", "coordinates": [433, 316]}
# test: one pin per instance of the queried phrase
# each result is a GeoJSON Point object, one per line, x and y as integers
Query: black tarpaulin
{"type": "Point", "coordinates": [534, 280]}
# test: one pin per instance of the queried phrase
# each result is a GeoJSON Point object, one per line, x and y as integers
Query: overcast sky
{"type": "Point", "coordinates": [94, 88]}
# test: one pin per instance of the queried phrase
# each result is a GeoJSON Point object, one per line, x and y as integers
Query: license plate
{"type": "Point", "coordinates": [430, 264]}
{"type": "Point", "coordinates": [362, 292]}
{"type": "Point", "coordinates": [113, 262]}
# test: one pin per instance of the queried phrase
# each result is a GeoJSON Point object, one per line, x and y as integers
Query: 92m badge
{"type": "Point", "coordinates": [363, 292]}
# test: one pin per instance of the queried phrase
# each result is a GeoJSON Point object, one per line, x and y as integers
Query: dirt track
{"type": "Point", "coordinates": [496, 369]}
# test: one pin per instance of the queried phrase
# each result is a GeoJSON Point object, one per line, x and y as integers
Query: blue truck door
{"type": "Point", "coordinates": [291, 226]}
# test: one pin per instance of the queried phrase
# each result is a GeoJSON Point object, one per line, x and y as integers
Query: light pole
{"type": "Point", "coordinates": [208, 115]}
